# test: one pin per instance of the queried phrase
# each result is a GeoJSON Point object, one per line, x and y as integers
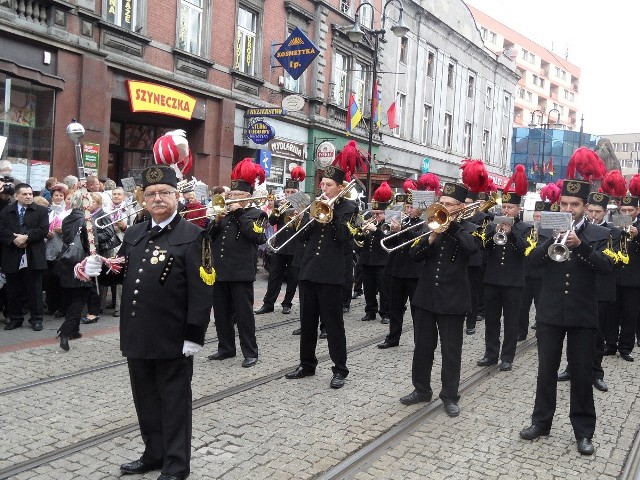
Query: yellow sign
{"type": "Point", "coordinates": [148, 97]}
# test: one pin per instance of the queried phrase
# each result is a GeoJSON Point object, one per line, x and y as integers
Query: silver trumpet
{"type": "Point", "coordinates": [404, 221]}
{"type": "Point", "coordinates": [500, 237]}
{"type": "Point", "coordinates": [558, 250]}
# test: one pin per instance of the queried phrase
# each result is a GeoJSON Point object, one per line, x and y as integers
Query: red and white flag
{"type": "Point", "coordinates": [393, 119]}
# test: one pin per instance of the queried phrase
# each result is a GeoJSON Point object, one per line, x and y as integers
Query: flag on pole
{"type": "Point", "coordinates": [392, 114]}
{"type": "Point", "coordinates": [376, 107]}
{"type": "Point", "coordinates": [534, 165]}
{"type": "Point", "coordinates": [550, 166]}
{"type": "Point", "coordinates": [354, 115]}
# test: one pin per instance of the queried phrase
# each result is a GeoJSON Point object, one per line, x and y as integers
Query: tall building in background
{"type": "Point", "coordinates": [547, 81]}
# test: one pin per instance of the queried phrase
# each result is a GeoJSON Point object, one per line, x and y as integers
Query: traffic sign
{"type": "Point", "coordinates": [296, 53]}
{"type": "Point", "coordinates": [265, 161]}
{"type": "Point", "coordinates": [426, 162]}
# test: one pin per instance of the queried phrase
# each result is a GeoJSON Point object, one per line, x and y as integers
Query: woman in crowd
{"type": "Point", "coordinates": [57, 213]}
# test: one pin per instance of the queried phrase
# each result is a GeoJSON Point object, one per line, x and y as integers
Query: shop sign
{"type": "Point", "coordinates": [426, 162]}
{"type": "Point", "coordinates": [325, 154]}
{"type": "Point", "coordinates": [265, 112]}
{"type": "Point", "coordinates": [499, 180]}
{"type": "Point", "coordinates": [287, 149]}
{"type": "Point", "coordinates": [91, 157]}
{"type": "Point", "coordinates": [296, 53]}
{"type": "Point", "coordinates": [293, 103]}
{"type": "Point", "coordinates": [260, 132]}
{"type": "Point", "coordinates": [149, 97]}
{"type": "Point", "coordinates": [265, 161]}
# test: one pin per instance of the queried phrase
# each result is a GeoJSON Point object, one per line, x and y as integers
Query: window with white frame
{"type": "Point", "coordinates": [616, 147]}
{"type": "Point", "coordinates": [625, 147]}
{"type": "Point", "coordinates": [525, 54]}
{"type": "Point", "coordinates": [564, 75]}
{"type": "Point", "coordinates": [636, 147]}
{"type": "Point", "coordinates": [507, 105]}
{"type": "Point", "coordinates": [431, 64]}
{"type": "Point", "coordinates": [471, 87]}
{"type": "Point", "coordinates": [467, 139]}
{"type": "Point", "coordinates": [489, 97]}
{"type": "Point", "coordinates": [448, 130]}
{"type": "Point", "coordinates": [494, 38]}
{"type": "Point", "coordinates": [520, 92]}
{"type": "Point", "coordinates": [485, 146]}
{"type": "Point", "coordinates": [532, 58]}
{"type": "Point", "coordinates": [190, 26]}
{"type": "Point", "coordinates": [557, 71]}
{"type": "Point", "coordinates": [359, 85]}
{"type": "Point", "coordinates": [366, 14]}
{"type": "Point", "coordinates": [426, 122]}
{"type": "Point", "coordinates": [246, 41]}
{"type": "Point", "coordinates": [401, 99]}
{"type": "Point", "coordinates": [529, 97]}
{"type": "Point", "coordinates": [572, 96]}
{"type": "Point", "coordinates": [503, 150]}
{"type": "Point", "coordinates": [483, 33]}
{"type": "Point", "coordinates": [123, 13]}
{"type": "Point", "coordinates": [404, 47]}
{"type": "Point", "coordinates": [345, 6]}
{"type": "Point", "coordinates": [340, 76]}
{"type": "Point", "coordinates": [451, 71]}
{"type": "Point", "coordinates": [566, 94]}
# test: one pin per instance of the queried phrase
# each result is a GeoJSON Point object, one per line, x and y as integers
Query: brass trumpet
{"type": "Point", "coordinates": [558, 250]}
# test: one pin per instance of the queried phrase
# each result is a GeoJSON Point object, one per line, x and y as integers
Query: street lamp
{"type": "Point", "coordinates": [75, 132]}
{"type": "Point", "coordinates": [356, 34]}
{"type": "Point", "coordinates": [545, 126]}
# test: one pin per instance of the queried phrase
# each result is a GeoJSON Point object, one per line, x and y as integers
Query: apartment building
{"type": "Point", "coordinates": [626, 146]}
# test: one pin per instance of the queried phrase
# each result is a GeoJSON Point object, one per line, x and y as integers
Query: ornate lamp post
{"type": "Point", "coordinates": [544, 126]}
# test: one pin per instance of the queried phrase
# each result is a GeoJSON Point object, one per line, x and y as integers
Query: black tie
{"type": "Point", "coordinates": [21, 215]}
{"type": "Point", "coordinates": [155, 231]}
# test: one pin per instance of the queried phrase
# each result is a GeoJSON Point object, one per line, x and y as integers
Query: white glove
{"type": "Point", "coordinates": [93, 266]}
{"type": "Point", "coordinates": [190, 348]}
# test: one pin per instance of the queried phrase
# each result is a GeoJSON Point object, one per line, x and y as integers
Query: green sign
{"type": "Point", "coordinates": [91, 157]}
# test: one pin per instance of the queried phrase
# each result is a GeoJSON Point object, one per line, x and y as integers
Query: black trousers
{"type": "Point", "coordinates": [374, 281]}
{"type": "Point", "coordinates": [235, 300]}
{"type": "Point", "coordinates": [318, 304]}
{"type": "Point", "coordinates": [427, 326]}
{"type": "Point", "coordinates": [348, 280]}
{"type": "Point", "coordinates": [357, 274]}
{"type": "Point", "coordinates": [73, 313]}
{"type": "Point", "coordinates": [628, 311]}
{"type": "Point", "coordinates": [400, 289]}
{"type": "Point", "coordinates": [505, 301]}
{"type": "Point", "coordinates": [530, 295]}
{"type": "Point", "coordinates": [162, 396]}
{"type": "Point", "coordinates": [473, 273]}
{"type": "Point", "coordinates": [25, 282]}
{"type": "Point", "coordinates": [580, 352]}
{"type": "Point", "coordinates": [279, 266]}
{"type": "Point", "coordinates": [51, 285]}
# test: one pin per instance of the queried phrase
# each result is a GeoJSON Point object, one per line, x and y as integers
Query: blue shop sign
{"type": "Point", "coordinates": [296, 53]}
{"type": "Point", "coordinates": [426, 163]}
{"type": "Point", "coordinates": [260, 132]}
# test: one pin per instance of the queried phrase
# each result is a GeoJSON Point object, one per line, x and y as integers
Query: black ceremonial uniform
{"type": "Point", "coordinates": [321, 280]}
{"type": "Point", "coordinates": [441, 302]}
{"type": "Point", "coordinates": [164, 303]}
{"type": "Point", "coordinates": [532, 286]}
{"type": "Point", "coordinates": [503, 286]}
{"type": "Point", "coordinates": [281, 264]}
{"type": "Point", "coordinates": [235, 241]}
{"type": "Point", "coordinates": [403, 273]}
{"type": "Point", "coordinates": [373, 259]}
{"type": "Point", "coordinates": [568, 307]}
{"type": "Point", "coordinates": [473, 272]}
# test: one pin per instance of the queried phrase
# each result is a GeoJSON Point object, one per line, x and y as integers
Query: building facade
{"type": "Point", "coordinates": [626, 146]}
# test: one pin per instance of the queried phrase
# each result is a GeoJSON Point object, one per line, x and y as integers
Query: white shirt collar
{"type": "Point", "coordinates": [164, 223]}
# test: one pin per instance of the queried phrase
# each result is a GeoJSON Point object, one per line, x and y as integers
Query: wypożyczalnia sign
{"type": "Point", "coordinates": [296, 53]}
{"type": "Point", "coordinates": [149, 97]}
{"type": "Point", "coordinates": [260, 132]}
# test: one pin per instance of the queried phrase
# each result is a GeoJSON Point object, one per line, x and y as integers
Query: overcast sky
{"type": "Point", "coordinates": [602, 39]}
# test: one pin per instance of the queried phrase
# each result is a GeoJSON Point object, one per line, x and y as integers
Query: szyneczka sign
{"type": "Point", "coordinates": [296, 53]}
{"type": "Point", "coordinates": [91, 157]}
{"type": "Point", "coordinates": [149, 97]}
{"type": "Point", "coordinates": [265, 112]}
{"type": "Point", "coordinates": [260, 132]}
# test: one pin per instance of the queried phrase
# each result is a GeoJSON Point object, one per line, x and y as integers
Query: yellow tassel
{"type": "Point", "coordinates": [623, 258]}
{"type": "Point", "coordinates": [612, 255]}
{"type": "Point", "coordinates": [257, 228]}
{"type": "Point", "coordinates": [530, 248]}
{"type": "Point", "coordinates": [207, 277]}
{"type": "Point", "coordinates": [415, 242]}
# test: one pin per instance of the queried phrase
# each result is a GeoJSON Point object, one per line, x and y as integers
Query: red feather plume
{"type": "Point", "coordinates": [518, 182]}
{"type": "Point", "coordinates": [550, 193]}
{"type": "Point", "coordinates": [491, 186]}
{"type": "Point", "coordinates": [298, 174]}
{"type": "Point", "coordinates": [409, 184]}
{"type": "Point", "coordinates": [634, 185]}
{"type": "Point", "coordinates": [246, 171]}
{"type": "Point", "coordinates": [383, 193]}
{"type": "Point", "coordinates": [474, 175]}
{"type": "Point", "coordinates": [261, 175]}
{"type": "Point", "coordinates": [614, 184]}
{"type": "Point", "coordinates": [350, 160]}
{"type": "Point", "coordinates": [429, 182]}
{"type": "Point", "coordinates": [587, 163]}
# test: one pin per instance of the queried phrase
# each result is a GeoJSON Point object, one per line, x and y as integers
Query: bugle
{"type": "Point", "coordinates": [558, 250]}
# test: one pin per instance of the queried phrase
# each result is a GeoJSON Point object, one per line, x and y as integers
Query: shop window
{"type": "Point", "coordinates": [26, 116]}
{"type": "Point", "coordinates": [190, 26]}
{"type": "Point", "coordinates": [340, 75]}
{"type": "Point", "coordinates": [246, 38]}
{"type": "Point", "coordinates": [123, 13]}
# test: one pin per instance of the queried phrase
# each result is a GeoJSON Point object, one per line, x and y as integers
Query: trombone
{"type": "Point", "coordinates": [404, 222]}
{"type": "Point", "coordinates": [219, 205]}
{"type": "Point", "coordinates": [558, 250]}
{"type": "Point", "coordinates": [137, 199]}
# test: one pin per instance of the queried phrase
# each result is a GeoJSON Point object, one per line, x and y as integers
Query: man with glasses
{"type": "Point", "coordinates": [165, 311]}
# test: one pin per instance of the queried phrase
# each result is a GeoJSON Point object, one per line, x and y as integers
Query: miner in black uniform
{"type": "Point", "coordinates": [282, 261]}
{"type": "Point", "coordinates": [628, 290]}
{"type": "Point", "coordinates": [568, 308]}
{"type": "Point", "coordinates": [605, 288]}
{"type": "Point", "coordinates": [321, 281]}
{"type": "Point", "coordinates": [475, 264]}
{"type": "Point", "coordinates": [166, 305]}
{"type": "Point", "coordinates": [441, 303]}
{"type": "Point", "coordinates": [403, 273]}
{"type": "Point", "coordinates": [235, 236]}
{"type": "Point", "coordinates": [373, 257]}
{"type": "Point", "coordinates": [503, 284]}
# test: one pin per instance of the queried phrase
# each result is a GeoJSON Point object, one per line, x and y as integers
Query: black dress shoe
{"type": "Point", "coordinates": [451, 409]}
{"type": "Point", "coordinates": [564, 376]}
{"type": "Point", "coordinates": [286, 310]}
{"type": "Point", "coordinates": [323, 334]}
{"type": "Point", "coordinates": [356, 294]}
{"type": "Point", "coordinates": [532, 432]}
{"type": "Point", "coordinates": [522, 338]}
{"type": "Point", "coordinates": [345, 310]}
{"type": "Point", "coordinates": [75, 336]}
{"type": "Point", "coordinates": [600, 385]}
{"type": "Point", "coordinates": [116, 313]}
{"type": "Point", "coordinates": [298, 373]}
{"type": "Point", "coordinates": [263, 309]}
{"type": "Point", "coordinates": [37, 326]}
{"type": "Point", "coordinates": [297, 331]}
{"type": "Point", "coordinates": [627, 356]}
{"type": "Point", "coordinates": [59, 314]}
{"type": "Point", "coordinates": [221, 356]}
{"type": "Point", "coordinates": [337, 381]}
{"type": "Point", "coordinates": [137, 466]}
{"type": "Point", "coordinates": [480, 318]}
{"type": "Point", "coordinates": [13, 324]}
{"type": "Point", "coordinates": [505, 366]}
{"type": "Point", "coordinates": [249, 362]}
{"type": "Point", "coordinates": [609, 351]}
{"type": "Point", "coordinates": [471, 331]}
{"type": "Point", "coordinates": [64, 342]}
{"type": "Point", "coordinates": [385, 320]}
{"type": "Point", "coordinates": [585, 447]}
{"type": "Point", "coordinates": [368, 318]}
{"type": "Point", "coordinates": [164, 476]}
{"type": "Point", "coordinates": [415, 397]}
{"type": "Point", "coordinates": [485, 362]}
{"type": "Point", "coordinates": [87, 320]}
{"type": "Point", "coordinates": [387, 344]}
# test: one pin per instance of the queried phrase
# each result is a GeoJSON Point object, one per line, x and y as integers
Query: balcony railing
{"type": "Point", "coordinates": [31, 10]}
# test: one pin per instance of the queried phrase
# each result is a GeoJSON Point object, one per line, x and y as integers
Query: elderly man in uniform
{"type": "Point", "coordinates": [568, 308]}
{"type": "Point", "coordinates": [441, 302]}
{"type": "Point", "coordinates": [166, 303]}
{"type": "Point", "coordinates": [235, 236]}
{"type": "Point", "coordinates": [321, 280]}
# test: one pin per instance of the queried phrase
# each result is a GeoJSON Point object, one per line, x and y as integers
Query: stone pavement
{"type": "Point", "coordinates": [299, 429]}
